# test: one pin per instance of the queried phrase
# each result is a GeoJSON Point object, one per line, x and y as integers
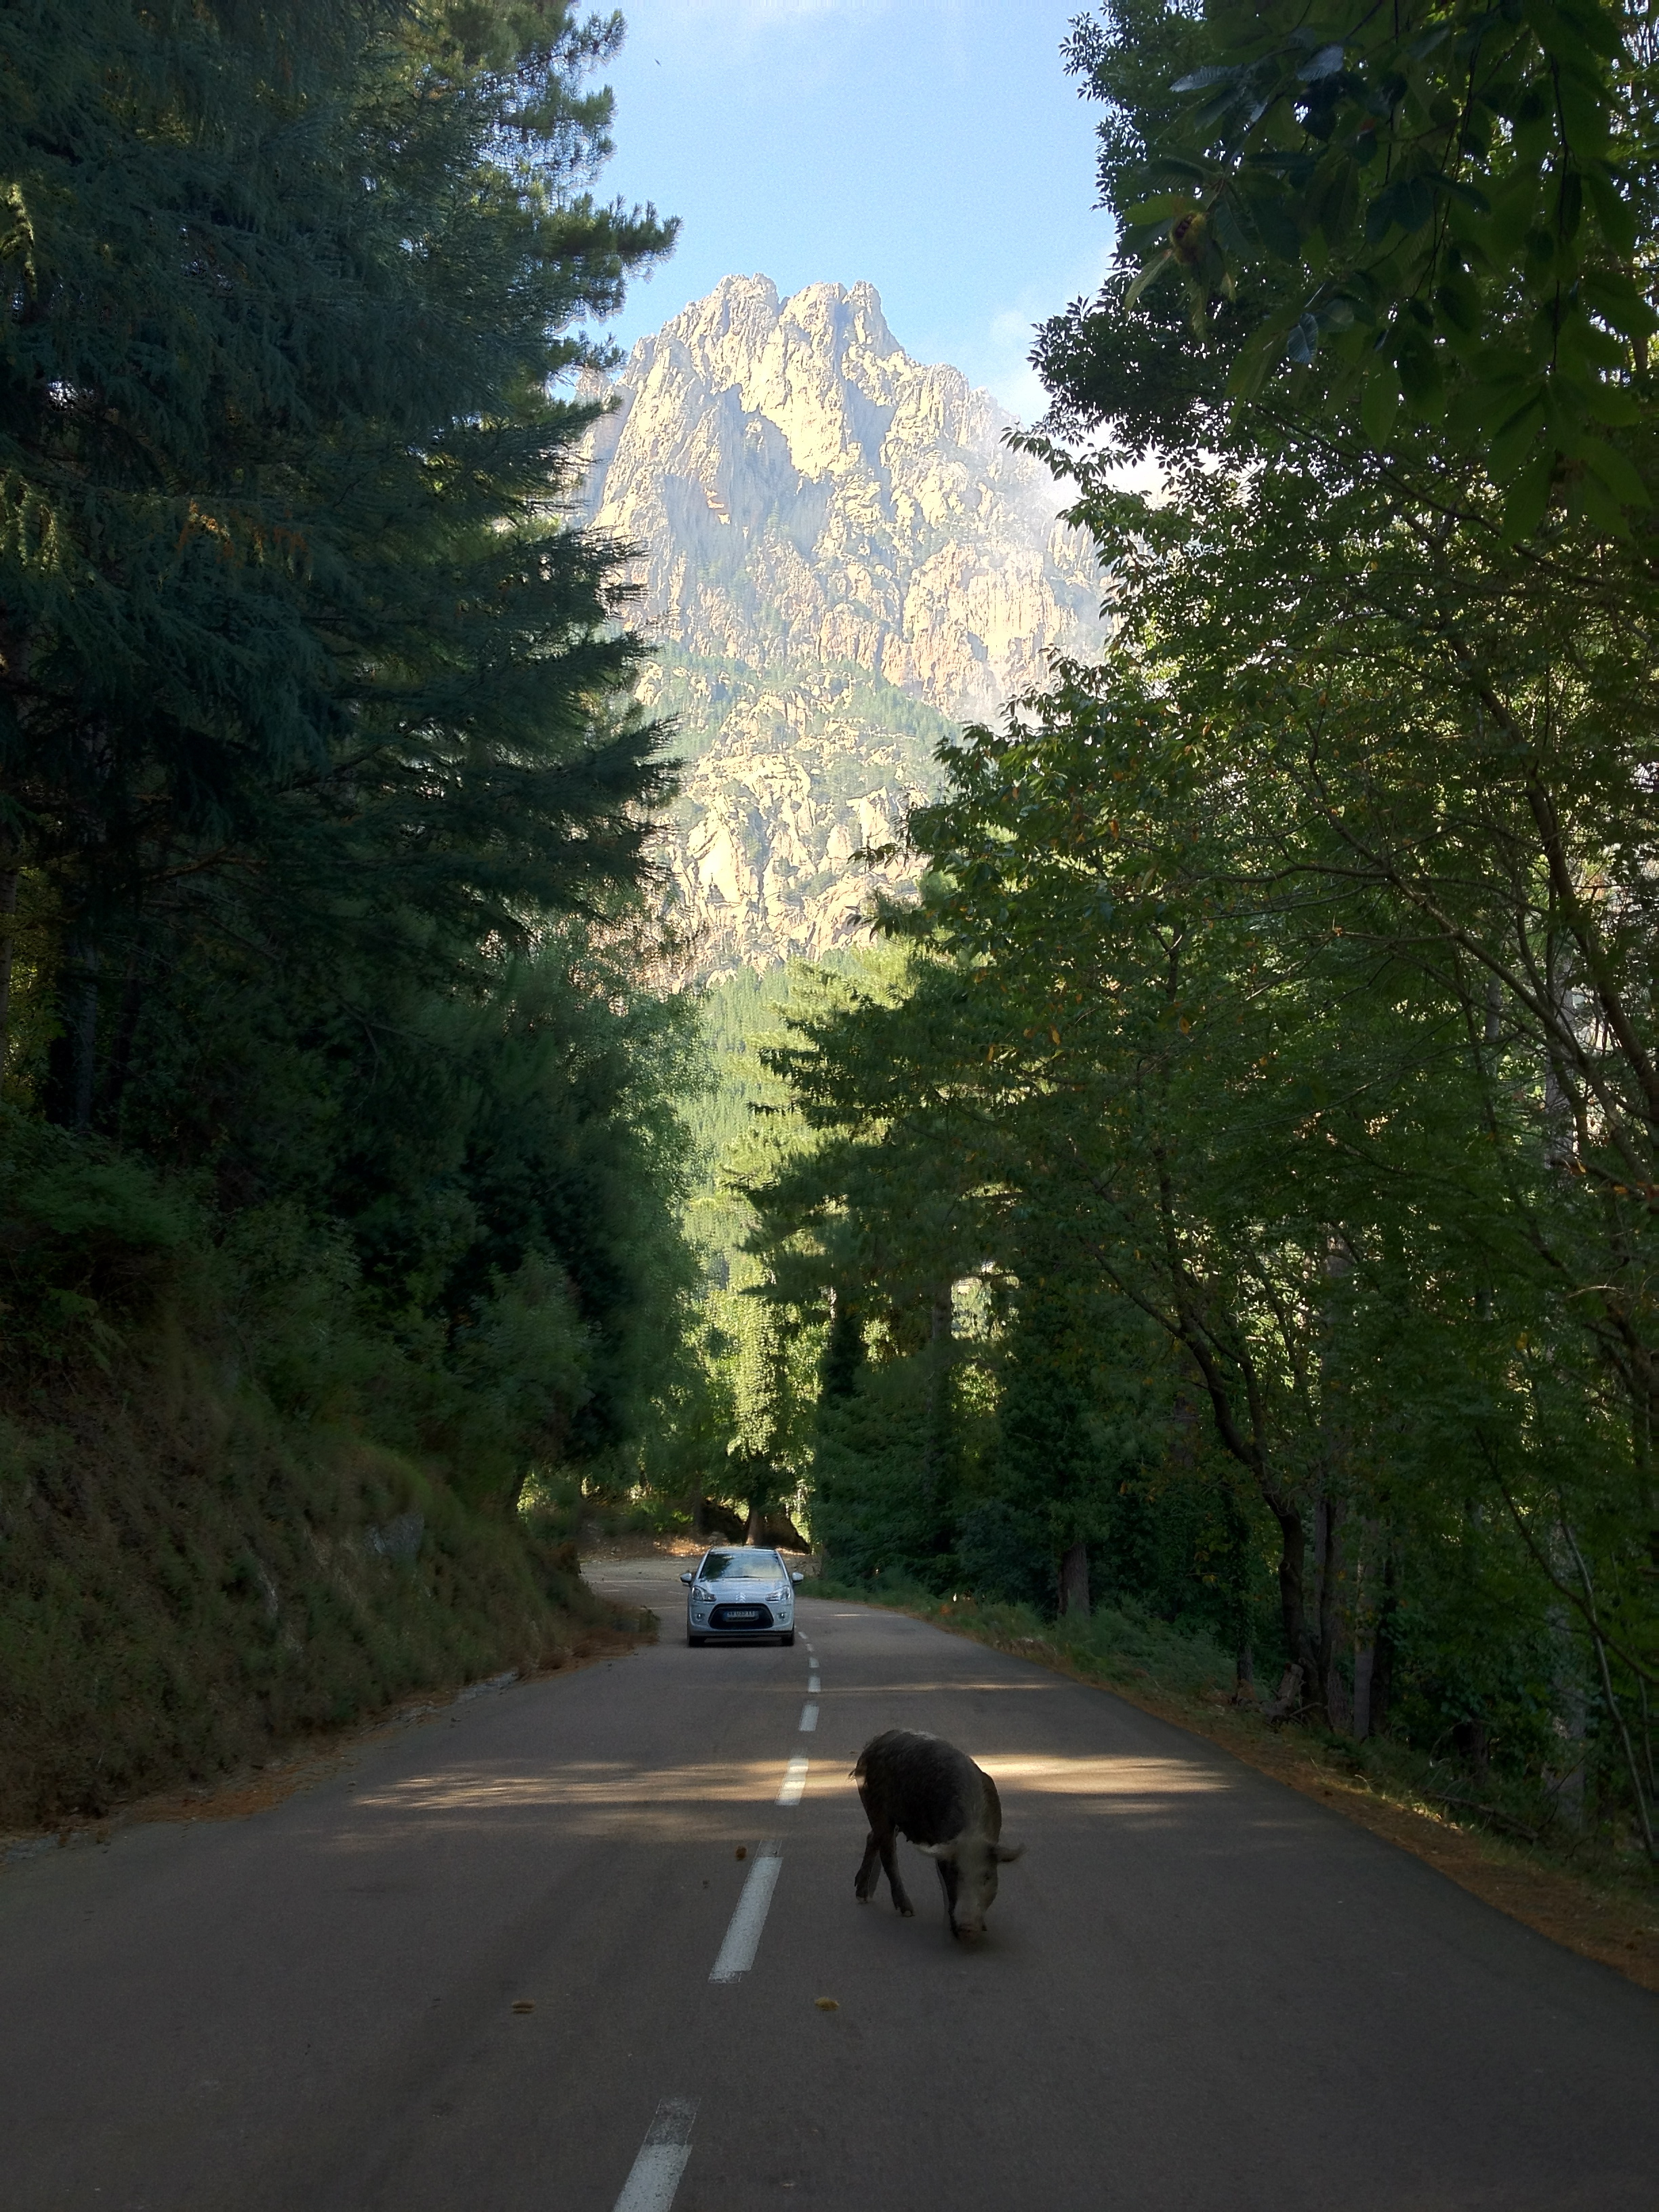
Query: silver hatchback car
{"type": "Point", "coordinates": [740, 1593]}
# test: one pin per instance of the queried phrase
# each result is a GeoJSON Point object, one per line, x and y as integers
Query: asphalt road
{"type": "Point", "coordinates": [1200, 1992]}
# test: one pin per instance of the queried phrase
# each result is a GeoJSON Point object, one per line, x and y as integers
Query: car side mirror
{"type": "Point", "coordinates": [686, 1578]}
{"type": "Point", "coordinates": [798, 1578]}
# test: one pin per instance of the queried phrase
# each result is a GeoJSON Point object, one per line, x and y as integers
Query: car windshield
{"type": "Point", "coordinates": [741, 1566]}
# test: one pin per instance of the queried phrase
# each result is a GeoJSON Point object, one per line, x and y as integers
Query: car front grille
{"type": "Point", "coordinates": [740, 1616]}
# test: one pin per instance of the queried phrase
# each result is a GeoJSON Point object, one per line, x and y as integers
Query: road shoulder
{"type": "Point", "coordinates": [1610, 1925]}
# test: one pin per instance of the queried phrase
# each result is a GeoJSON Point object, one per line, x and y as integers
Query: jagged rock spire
{"type": "Point", "coordinates": [832, 540]}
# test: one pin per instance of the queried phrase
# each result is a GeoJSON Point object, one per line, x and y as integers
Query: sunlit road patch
{"type": "Point", "coordinates": [1101, 1776]}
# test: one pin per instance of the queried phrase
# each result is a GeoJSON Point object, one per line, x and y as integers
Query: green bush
{"type": "Point", "coordinates": [1120, 1643]}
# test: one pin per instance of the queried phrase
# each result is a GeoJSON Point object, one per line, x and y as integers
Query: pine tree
{"type": "Point", "coordinates": [287, 599]}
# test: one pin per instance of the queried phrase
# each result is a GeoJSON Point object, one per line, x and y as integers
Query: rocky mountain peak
{"type": "Point", "coordinates": [840, 558]}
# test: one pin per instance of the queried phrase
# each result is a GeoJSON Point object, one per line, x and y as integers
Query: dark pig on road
{"type": "Point", "coordinates": [922, 1787]}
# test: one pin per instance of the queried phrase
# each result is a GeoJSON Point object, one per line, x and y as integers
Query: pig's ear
{"type": "Point", "coordinates": [1006, 1854]}
{"type": "Point", "coordinates": [945, 1851]}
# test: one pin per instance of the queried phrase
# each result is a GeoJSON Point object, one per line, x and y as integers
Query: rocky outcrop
{"type": "Point", "coordinates": [792, 814]}
{"type": "Point", "coordinates": [840, 559]}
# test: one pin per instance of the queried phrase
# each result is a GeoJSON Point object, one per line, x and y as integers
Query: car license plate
{"type": "Point", "coordinates": [743, 1613]}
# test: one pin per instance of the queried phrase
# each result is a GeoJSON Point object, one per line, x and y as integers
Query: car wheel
{"type": "Point", "coordinates": [696, 1642]}
{"type": "Point", "coordinates": [786, 1640]}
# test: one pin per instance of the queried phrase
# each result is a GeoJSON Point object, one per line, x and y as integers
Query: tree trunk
{"type": "Point", "coordinates": [118, 1065]}
{"type": "Point", "coordinates": [1472, 1741]}
{"type": "Point", "coordinates": [1382, 1673]}
{"type": "Point", "coordinates": [1247, 1446]}
{"type": "Point", "coordinates": [1074, 1580]}
{"type": "Point", "coordinates": [1560, 1127]}
{"type": "Point", "coordinates": [1565, 1775]}
{"type": "Point", "coordinates": [1332, 1691]}
{"type": "Point", "coordinates": [9, 878]}
{"type": "Point", "coordinates": [1492, 1034]}
{"type": "Point", "coordinates": [1292, 1605]}
{"type": "Point", "coordinates": [72, 1059]}
{"type": "Point", "coordinates": [1239, 1579]}
{"type": "Point", "coordinates": [1364, 1665]}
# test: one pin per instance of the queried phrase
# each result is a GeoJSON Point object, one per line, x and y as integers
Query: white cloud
{"type": "Point", "coordinates": [998, 356]}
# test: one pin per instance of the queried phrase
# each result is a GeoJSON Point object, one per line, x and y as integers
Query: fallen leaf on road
{"type": "Point", "coordinates": [523, 2004]}
{"type": "Point", "coordinates": [828, 2004]}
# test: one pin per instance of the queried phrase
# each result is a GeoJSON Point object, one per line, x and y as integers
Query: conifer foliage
{"type": "Point", "coordinates": [322, 805]}
{"type": "Point", "coordinates": [285, 575]}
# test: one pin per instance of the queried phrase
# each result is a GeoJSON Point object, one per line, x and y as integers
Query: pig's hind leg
{"type": "Point", "coordinates": [895, 1880]}
{"type": "Point", "coordinates": [864, 1882]}
{"type": "Point", "coordinates": [879, 1851]}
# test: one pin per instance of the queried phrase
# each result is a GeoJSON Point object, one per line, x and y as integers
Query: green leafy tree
{"type": "Point", "coordinates": [1403, 305]}
{"type": "Point", "coordinates": [1434, 207]}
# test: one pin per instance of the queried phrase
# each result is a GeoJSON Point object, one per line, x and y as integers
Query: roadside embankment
{"type": "Point", "coordinates": [191, 1584]}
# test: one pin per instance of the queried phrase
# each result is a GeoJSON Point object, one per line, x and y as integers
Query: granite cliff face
{"type": "Point", "coordinates": [839, 560]}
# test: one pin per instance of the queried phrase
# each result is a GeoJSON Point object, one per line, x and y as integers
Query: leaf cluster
{"type": "Point", "coordinates": [1430, 215]}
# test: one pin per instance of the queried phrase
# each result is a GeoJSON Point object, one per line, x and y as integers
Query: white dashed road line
{"type": "Point", "coordinates": [743, 1937]}
{"type": "Point", "coordinates": [655, 2174]}
{"type": "Point", "coordinates": [663, 2154]}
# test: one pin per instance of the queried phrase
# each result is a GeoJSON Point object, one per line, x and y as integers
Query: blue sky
{"type": "Point", "coordinates": [934, 147]}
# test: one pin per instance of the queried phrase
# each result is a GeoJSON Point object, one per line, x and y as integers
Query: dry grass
{"type": "Point", "coordinates": [255, 1788]}
{"type": "Point", "coordinates": [189, 1584]}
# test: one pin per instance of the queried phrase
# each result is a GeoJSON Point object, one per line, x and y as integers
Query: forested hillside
{"type": "Point", "coordinates": [340, 1174]}
{"type": "Point", "coordinates": [1240, 1207]}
